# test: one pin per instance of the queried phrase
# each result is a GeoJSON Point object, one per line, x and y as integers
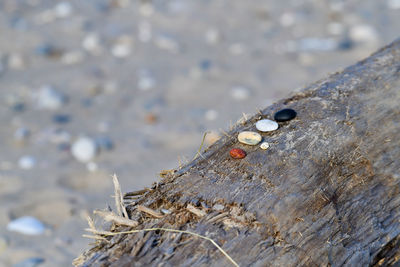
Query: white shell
{"type": "Point", "coordinates": [266, 125]}
{"type": "Point", "coordinates": [264, 145]}
{"type": "Point", "coordinates": [249, 138]}
{"type": "Point", "coordinates": [84, 149]}
{"type": "Point", "coordinates": [26, 225]}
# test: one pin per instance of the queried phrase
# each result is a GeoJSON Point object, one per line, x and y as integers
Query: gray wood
{"type": "Point", "coordinates": [326, 192]}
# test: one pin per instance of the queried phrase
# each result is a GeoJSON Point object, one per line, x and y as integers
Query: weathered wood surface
{"type": "Point", "coordinates": [326, 192]}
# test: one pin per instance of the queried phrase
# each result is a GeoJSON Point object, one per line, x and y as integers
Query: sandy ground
{"type": "Point", "coordinates": [145, 80]}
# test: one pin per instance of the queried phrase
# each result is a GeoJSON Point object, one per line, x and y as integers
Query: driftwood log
{"type": "Point", "coordinates": [326, 192]}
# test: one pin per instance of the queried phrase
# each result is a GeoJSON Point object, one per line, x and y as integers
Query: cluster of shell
{"type": "Point", "coordinates": [254, 138]}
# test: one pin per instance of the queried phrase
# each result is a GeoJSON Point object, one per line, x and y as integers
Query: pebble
{"type": "Point", "coordinates": [146, 9]}
{"type": "Point", "coordinates": [104, 142]}
{"type": "Point", "coordinates": [92, 43]}
{"type": "Point", "coordinates": [205, 64]}
{"type": "Point", "coordinates": [63, 9]}
{"type": "Point", "coordinates": [19, 107]}
{"type": "Point", "coordinates": [363, 33]}
{"type": "Point", "coordinates": [48, 50]}
{"type": "Point", "coordinates": [92, 166]}
{"type": "Point", "coordinates": [84, 149]}
{"type": "Point", "coordinates": [122, 47]}
{"type": "Point", "coordinates": [316, 44]}
{"type": "Point", "coordinates": [287, 19]}
{"type": "Point", "coordinates": [31, 262]}
{"type": "Point", "coordinates": [61, 118]}
{"type": "Point", "coordinates": [237, 153]}
{"type": "Point", "coordinates": [26, 225]}
{"type": "Point", "coordinates": [167, 42]}
{"type": "Point", "coordinates": [266, 125]}
{"type": "Point", "coordinates": [72, 57]}
{"type": "Point", "coordinates": [146, 80]}
{"type": "Point", "coordinates": [165, 211]}
{"type": "Point", "coordinates": [286, 114]}
{"type": "Point", "coordinates": [212, 36]}
{"type": "Point", "coordinates": [49, 98]}
{"type": "Point", "coordinates": [26, 162]}
{"type": "Point", "coordinates": [21, 134]}
{"type": "Point", "coordinates": [236, 49]}
{"type": "Point", "coordinates": [264, 145]}
{"type": "Point", "coordinates": [16, 61]}
{"type": "Point", "coordinates": [249, 138]}
{"type": "Point", "coordinates": [144, 31]}
{"type": "Point", "coordinates": [218, 207]}
{"type": "Point", "coordinates": [211, 115]}
{"type": "Point", "coordinates": [240, 93]}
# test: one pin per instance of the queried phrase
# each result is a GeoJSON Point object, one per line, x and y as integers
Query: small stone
{"type": "Point", "coordinates": [237, 153]}
{"type": "Point", "coordinates": [144, 31]}
{"type": "Point", "coordinates": [19, 107]}
{"type": "Point", "coordinates": [16, 62]}
{"type": "Point", "coordinates": [26, 225]}
{"type": "Point", "coordinates": [92, 166]}
{"type": "Point", "coordinates": [27, 162]}
{"type": "Point", "coordinates": [146, 9]}
{"type": "Point", "coordinates": [205, 64]}
{"type": "Point", "coordinates": [61, 118]}
{"type": "Point", "coordinates": [249, 138]}
{"type": "Point", "coordinates": [63, 9]}
{"type": "Point", "coordinates": [72, 57]}
{"type": "Point", "coordinates": [48, 50]}
{"type": "Point", "coordinates": [31, 262]}
{"type": "Point", "coordinates": [104, 143]}
{"type": "Point", "coordinates": [49, 98]}
{"type": "Point", "coordinates": [240, 93]}
{"type": "Point", "coordinates": [287, 19]}
{"type": "Point", "coordinates": [211, 115]}
{"type": "Point", "coordinates": [266, 125]}
{"type": "Point", "coordinates": [165, 211]}
{"type": "Point", "coordinates": [218, 207]}
{"type": "Point", "coordinates": [236, 49]}
{"type": "Point", "coordinates": [264, 145]}
{"type": "Point", "coordinates": [363, 33]}
{"type": "Point", "coordinates": [146, 80]}
{"type": "Point", "coordinates": [151, 118]}
{"type": "Point", "coordinates": [286, 114]}
{"type": "Point", "coordinates": [84, 149]}
{"type": "Point", "coordinates": [122, 47]}
{"type": "Point", "coordinates": [167, 42]}
{"type": "Point", "coordinates": [21, 134]}
{"type": "Point", "coordinates": [212, 36]}
{"type": "Point", "coordinates": [92, 43]}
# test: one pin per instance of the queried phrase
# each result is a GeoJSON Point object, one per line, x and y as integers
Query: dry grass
{"type": "Point", "coordinates": [122, 218]}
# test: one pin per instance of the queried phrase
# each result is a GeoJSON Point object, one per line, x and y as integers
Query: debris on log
{"type": "Point", "coordinates": [325, 193]}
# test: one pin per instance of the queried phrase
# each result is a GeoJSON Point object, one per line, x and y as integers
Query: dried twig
{"type": "Point", "coordinates": [150, 211]}
{"type": "Point", "coordinates": [218, 217]}
{"type": "Point", "coordinates": [119, 201]}
{"type": "Point", "coordinates": [136, 193]}
{"type": "Point", "coordinates": [112, 217]}
{"type": "Point", "coordinates": [196, 211]}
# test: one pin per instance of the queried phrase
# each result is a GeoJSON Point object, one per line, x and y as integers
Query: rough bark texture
{"type": "Point", "coordinates": [326, 192]}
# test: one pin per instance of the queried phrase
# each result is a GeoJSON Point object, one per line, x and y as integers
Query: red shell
{"type": "Point", "coordinates": [237, 153]}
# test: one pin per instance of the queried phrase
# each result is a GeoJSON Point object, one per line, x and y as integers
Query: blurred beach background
{"type": "Point", "coordinates": [89, 88]}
